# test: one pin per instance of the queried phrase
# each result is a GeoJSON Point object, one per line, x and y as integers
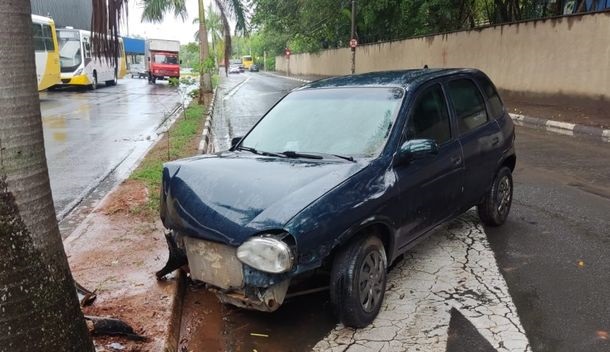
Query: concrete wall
{"type": "Point", "coordinates": [566, 56]}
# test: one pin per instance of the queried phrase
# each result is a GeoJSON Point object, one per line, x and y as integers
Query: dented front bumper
{"type": "Point", "coordinates": [235, 283]}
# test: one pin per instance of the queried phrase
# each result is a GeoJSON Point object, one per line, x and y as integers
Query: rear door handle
{"type": "Point", "coordinates": [495, 141]}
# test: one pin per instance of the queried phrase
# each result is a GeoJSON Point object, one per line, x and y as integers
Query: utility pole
{"type": "Point", "coordinates": [353, 36]}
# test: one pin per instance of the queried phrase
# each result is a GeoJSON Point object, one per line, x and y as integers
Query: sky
{"type": "Point", "coordinates": [171, 27]}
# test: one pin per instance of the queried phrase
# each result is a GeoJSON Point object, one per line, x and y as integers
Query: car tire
{"type": "Point", "coordinates": [494, 208]}
{"type": "Point", "coordinates": [356, 298]}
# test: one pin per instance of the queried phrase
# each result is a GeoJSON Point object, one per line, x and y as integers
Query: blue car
{"type": "Point", "coordinates": [337, 180]}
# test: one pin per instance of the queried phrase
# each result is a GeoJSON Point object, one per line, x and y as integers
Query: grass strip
{"type": "Point", "coordinates": [179, 142]}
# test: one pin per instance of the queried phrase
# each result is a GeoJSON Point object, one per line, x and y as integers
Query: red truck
{"type": "Point", "coordinates": [162, 59]}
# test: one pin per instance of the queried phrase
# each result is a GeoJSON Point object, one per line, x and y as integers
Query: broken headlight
{"type": "Point", "coordinates": [267, 254]}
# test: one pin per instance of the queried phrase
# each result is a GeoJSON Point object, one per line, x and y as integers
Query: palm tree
{"type": "Point", "coordinates": [39, 310]}
{"type": "Point", "coordinates": [154, 10]}
{"type": "Point", "coordinates": [215, 27]}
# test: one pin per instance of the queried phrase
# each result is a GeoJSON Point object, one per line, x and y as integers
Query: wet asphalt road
{"type": "Point", "coordinates": [554, 251]}
{"type": "Point", "coordinates": [91, 136]}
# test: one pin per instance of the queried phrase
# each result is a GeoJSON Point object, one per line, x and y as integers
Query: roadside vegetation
{"type": "Point", "coordinates": [180, 141]}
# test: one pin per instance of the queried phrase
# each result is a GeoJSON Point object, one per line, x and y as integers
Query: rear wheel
{"type": "Point", "coordinates": [495, 207]}
{"type": "Point", "coordinates": [112, 82]}
{"type": "Point", "coordinates": [358, 280]}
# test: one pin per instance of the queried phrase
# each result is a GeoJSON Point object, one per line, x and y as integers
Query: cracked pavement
{"type": "Point", "coordinates": [454, 268]}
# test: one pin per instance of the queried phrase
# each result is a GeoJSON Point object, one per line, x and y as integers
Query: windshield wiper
{"type": "Point", "coordinates": [344, 157]}
{"type": "Point", "coordinates": [315, 155]}
{"type": "Point", "coordinates": [257, 152]}
{"type": "Point", "coordinates": [248, 149]}
{"type": "Point", "coordinates": [293, 154]}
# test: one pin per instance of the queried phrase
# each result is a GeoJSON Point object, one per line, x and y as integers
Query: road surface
{"type": "Point", "coordinates": [93, 135]}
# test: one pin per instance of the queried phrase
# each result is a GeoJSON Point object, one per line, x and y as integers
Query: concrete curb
{"type": "Point", "coordinates": [206, 135]}
{"type": "Point", "coordinates": [560, 127]}
{"type": "Point", "coordinates": [287, 77]}
{"type": "Point", "coordinates": [172, 338]}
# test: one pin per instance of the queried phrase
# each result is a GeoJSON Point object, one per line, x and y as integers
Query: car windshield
{"type": "Point", "coordinates": [166, 59]}
{"type": "Point", "coordinates": [70, 55]}
{"type": "Point", "coordinates": [342, 121]}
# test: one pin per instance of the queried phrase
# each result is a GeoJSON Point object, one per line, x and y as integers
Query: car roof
{"type": "Point", "coordinates": [407, 79]}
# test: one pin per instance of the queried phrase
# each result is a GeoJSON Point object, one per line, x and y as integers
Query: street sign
{"type": "Point", "coordinates": [353, 43]}
{"type": "Point", "coordinates": [287, 52]}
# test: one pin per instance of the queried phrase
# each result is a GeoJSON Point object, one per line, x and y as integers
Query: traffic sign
{"type": "Point", "coordinates": [353, 43]}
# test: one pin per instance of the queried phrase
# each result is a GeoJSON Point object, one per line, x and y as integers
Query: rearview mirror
{"type": "Point", "coordinates": [416, 149]}
{"type": "Point", "coordinates": [235, 141]}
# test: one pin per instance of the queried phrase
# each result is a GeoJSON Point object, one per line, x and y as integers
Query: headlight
{"type": "Point", "coordinates": [266, 254]}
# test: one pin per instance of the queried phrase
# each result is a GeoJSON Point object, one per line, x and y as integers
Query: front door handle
{"type": "Point", "coordinates": [495, 141]}
{"type": "Point", "coordinates": [456, 160]}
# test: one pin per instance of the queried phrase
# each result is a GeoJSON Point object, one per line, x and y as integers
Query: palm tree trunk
{"type": "Point", "coordinates": [39, 310]}
{"type": "Point", "coordinates": [205, 83]}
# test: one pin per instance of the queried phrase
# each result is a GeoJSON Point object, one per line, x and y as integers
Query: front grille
{"type": "Point", "coordinates": [214, 263]}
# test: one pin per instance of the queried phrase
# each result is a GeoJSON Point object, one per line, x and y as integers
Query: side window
{"type": "Point", "coordinates": [468, 104]}
{"type": "Point", "coordinates": [495, 104]}
{"type": "Point", "coordinates": [48, 37]}
{"type": "Point", "coordinates": [38, 38]}
{"type": "Point", "coordinates": [430, 118]}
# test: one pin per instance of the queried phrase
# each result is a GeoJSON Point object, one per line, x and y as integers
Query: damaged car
{"type": "Point", "coordinates": [338, 179]}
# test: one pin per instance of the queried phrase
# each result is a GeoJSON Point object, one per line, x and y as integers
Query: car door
{"type": "Point", "coordinates": [479, 137]}
{"type": "Point", "coordinates": [429, 187]}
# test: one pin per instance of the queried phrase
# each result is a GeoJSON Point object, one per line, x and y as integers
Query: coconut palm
{"type": "Point", "coordinates": [39, 310]}
{"type": "Point", "coordinates": [154, 10]}
{"type": "Point", "coordinates": [217, 30]}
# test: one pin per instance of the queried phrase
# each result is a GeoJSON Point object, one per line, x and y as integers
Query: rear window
{"type": "Point", "coordinates": [495, 104]}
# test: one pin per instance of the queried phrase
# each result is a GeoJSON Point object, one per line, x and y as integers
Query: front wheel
{"type": "Point", "coordinates": [93, 85]}
{"type": "Point", "coordinates": [494, 208]}
{"type": "Point", "coordinates": [358, 280]}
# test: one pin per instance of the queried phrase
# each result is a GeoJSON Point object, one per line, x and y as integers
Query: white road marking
{"type": "Point", "coordinates": [455, 267]}
{"type": "Point", "coordinates": [236, 88]}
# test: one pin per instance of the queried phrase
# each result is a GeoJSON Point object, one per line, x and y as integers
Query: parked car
{"type": "Point", "coordinates": [137, 70]}
{"type": "Point", "coordinates": [254, 68]}
{"type": "Point", "coordinates": [339, 178]}
{"type": "Point", "coordinates": [234, 69]}
{"type": "Point", "coordinates": [241, 68]}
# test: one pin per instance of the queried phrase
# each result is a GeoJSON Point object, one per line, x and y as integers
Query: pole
{"type": "Point", "coordinates": [353, 35]}
{"type": "Point", "coordinates": [264, 60]}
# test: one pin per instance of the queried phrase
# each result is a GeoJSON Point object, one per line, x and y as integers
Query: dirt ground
{"type": "Point", "coordinates": [116, 255]}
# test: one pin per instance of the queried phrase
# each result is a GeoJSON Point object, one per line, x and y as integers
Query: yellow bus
{"type": "Point", "coordinates": [246, 61]}
{"type": "Point", "coordinates": [79, 64]}
{"type": "Point", "coordinates": [46, 52]}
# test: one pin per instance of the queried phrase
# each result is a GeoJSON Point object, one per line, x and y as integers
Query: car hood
{"type": "Point", "coordinates": [230, 196]}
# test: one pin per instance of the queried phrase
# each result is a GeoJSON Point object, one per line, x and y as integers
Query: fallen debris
{"type": "Point", "coordinates": [102, 326]}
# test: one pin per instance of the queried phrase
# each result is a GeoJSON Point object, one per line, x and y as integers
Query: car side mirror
{"type": "Point", "coordinates": [235, 141]}
{"type": "Point", "coordinates": [416, 149]}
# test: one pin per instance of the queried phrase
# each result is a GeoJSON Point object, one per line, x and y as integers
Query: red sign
{"type": "Point", "coordinates": [287, 52]}
{"type": "Point", "coordinates": [353, 43]}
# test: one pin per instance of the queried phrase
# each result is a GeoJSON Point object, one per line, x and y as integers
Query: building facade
{"type": "Point", "coordinates": [75, 13]}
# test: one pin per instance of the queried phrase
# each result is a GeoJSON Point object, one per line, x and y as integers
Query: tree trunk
{"type": "Point", "coordinates": [205, 83]}
{"type": "Point", "coordinates": [39, 310]}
